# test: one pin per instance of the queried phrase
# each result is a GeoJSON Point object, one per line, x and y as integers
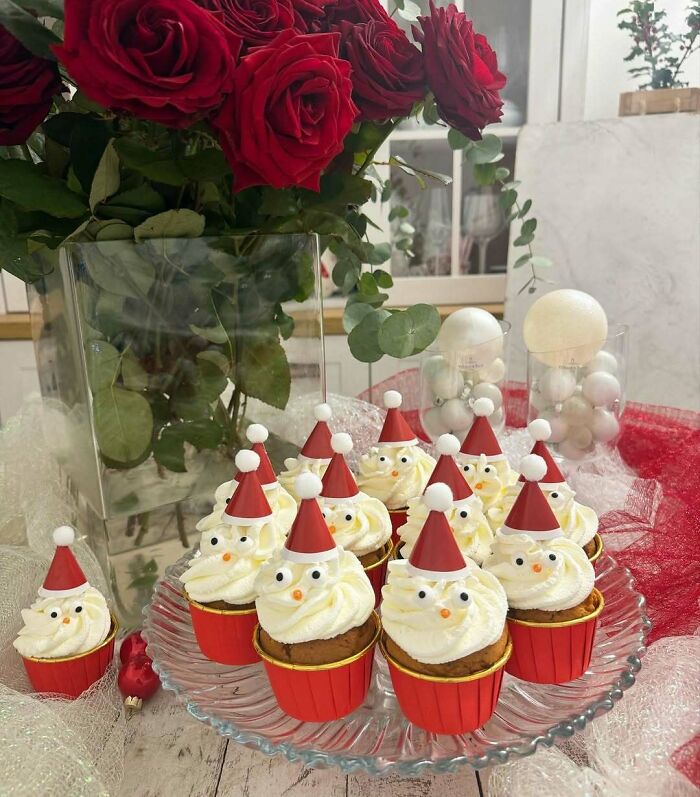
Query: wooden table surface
{"type": "Point", "coordinates": [170, 753]}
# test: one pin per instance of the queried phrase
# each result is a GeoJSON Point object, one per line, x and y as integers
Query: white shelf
{"type": "Point", "coordinates": [438, 133]}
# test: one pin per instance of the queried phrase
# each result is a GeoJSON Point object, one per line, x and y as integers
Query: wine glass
{"type": "Point", "coordinates": [482, 219]}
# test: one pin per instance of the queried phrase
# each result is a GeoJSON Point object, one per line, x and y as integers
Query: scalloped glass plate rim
{"type": "Point", "coordinates": [374, 765]}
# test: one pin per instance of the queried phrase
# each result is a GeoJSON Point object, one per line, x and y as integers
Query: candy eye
{"type": "Point", "coordinates": [228, 499]}
{"type": "Point", "coordinates": [283, 576]}
{"type": "Point", "coordinates": [78, 609]}
{"type": "Point", "coordinates": [382, 459]}
{"type": "Point", "coordinates": [553, 557]}
{"type": "Point", "coordinates": [467, 468]}
{"type": "Point", "coordinates": [245, 543]}
{"type": "Point", "coordinates": [214, 541]}
{"type": "Point", "coordinates": [460, 597]}
{"type": "Point", "coordinates": [554, 495]}
{"type": "Point", "coordinates": [324, 512]}
{"type": "Point", "coordinates": [487, 469]}
{"type": "Point", "coordinates": [349, 516]}
{"type": "Point", "coordinates": [464, 514]}
{"type": "Point", "coordinates": [54, 613]}
{"type": "Point", "coordinates": [424, 597]}
{"type": "Point", "coordinates": [404, 460]}
{"type": "Point", "coordinates": [316, 575]}
{"type": "Point", "coordinates": [519, 561]}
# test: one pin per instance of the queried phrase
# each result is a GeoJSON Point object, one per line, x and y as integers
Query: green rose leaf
{"type": "Point", "coordinates": [211, 381]}
{"type": "Point", "coordinates": [134, 374]}
{"type": "Point", "coordinates": [106, 179]}
{"type": "Point", "coordinates": [363, 339]}
{"type": "Point", "coordinates": [118, 268]}
{"type": "Point", "coordinates": [103, 362]}
{"type": "Point", "coordinates": [207, 164]}
{"type": "Point", "coordinates": [215, 334]}
{"type": "Point", "coordinates": [278, 203]}
{"type": "Point", "coordinates": [26, 27]}
{"type": "Point", "coordinates": [190, 406]}
{"type": "Point", "coordinates": [111, 230]}
{"type": "Point", "coordinates": [219, 359]}
{"type": "Point", "coordinates": [26, 185]}
{"type": "Point", "coordinates": [123, 423]}
{"type": "Point", "coordinates": [201, 434]}
{"type": "Point", "coordinates": [171, 224]}
{"type": "Point", "coordinates": [263, 372]}
{"type": "Point", "coordinates": [169, 449]}
{"type": "Point", "coordinates": [143, 197]}
{"type": "Point", "coordinates": [141, 159]}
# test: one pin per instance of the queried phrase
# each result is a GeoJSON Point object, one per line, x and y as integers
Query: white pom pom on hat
{"type": "Point", "coordinates": [539, 429]}
{"type": "Point", "coordinates": [308, 485]}
{"type": "Point", "coordinates": [533, 468]}
{"type": "Point", "coordinates": [483, 407]}
{"type": "Point", "coordinates": [323, 412]}
{"type": "Point", "coordinates": [392, 399]}
{"type": "Point", "coordinates": [64, 535]}
{"type": "Point", "coordinates": [257, 433]}
{"type": "Point", "coordinates": [341, 443]}
{"type": "Point", "coordinates": [247, 460]}
{"type": "Point", "coordinates": [438, 497]}
{"type": "Point", "coordinates": [447, 445]}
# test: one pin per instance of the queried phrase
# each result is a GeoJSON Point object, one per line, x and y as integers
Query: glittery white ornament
{"type": "Point", "coordinates": [580, 436]}
{"type": "Point", "coordinates": [456, 415]}
{"type": "Point", "coordinates": [557, 385]}
{"type": "Point", "coordinates": [559, 427]}
{"type": "Point", "coordinates": [569, 451]}
{"type": "Point", "coordinates": [604, 426]}
{"type": "Point", "coordinates": [538, 401]}
{"type": "Point", "coordinates": [473, 335]}
{"type": "Point", "coordinates": [601, 389]}
{"type": "Point", "coordinates": [494, 372]}
{"type": "Point", "coordinates": [603, 361]}
{"type": "Point", "coordinates": [433, 422]}
{"type": "Point", "coordinates": [488, 390]}
{"type": "Point", "coordinates": [576, 411]}
{"type": "Point", "coordinates": [431, 365]}
{"type": "Point", "coordinates": [446, 382]}
{"type": "Point", "coordinates": [496, 418]}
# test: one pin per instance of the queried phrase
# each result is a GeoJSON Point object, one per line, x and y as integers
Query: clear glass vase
{"type": "Point", "coordinates": [159, 354]}
{"type": "Point", "coordinates": [581, 394]}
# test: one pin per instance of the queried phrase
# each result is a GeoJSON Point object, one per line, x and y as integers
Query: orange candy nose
{"type": "Point", "coordinates": [394, 473]}
{"type": "Point", "coordinates": [226, 557]}
{"type": "Point", "coordinates": [297, 594]}
{"type": "Point", "coordinates": [537, 568]}
{"type": "Point", "coordinates": [331, 529]}
{"type": "Point", "coordinates": [479, 486]}
{"type": "Point", "coordinates": [445, 613]}
{"type": "Point", "coordinates": [66, 620]}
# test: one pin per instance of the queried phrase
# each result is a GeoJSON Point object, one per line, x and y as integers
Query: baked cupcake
{"type": "Point", "coordinates": [483, 463]}
{"type": "Point", "coordinates": [550, 587]}
{"type": "Point", "coordinates": [317, 625]}
{"type": "Point", "coordinates": [445, 634]}
{"type": "Point", "coordinates": [359, 523]}
{"type": "Point", "coordinates": [315, 455]}
{"type": "Point", "coordinates": [219, 582]}
{"type": "Point", "coordinates": [465, 517]}
{"type": "Point", "coordinates": [396, 469]}
{"type": "Point", "coordinates": [282, 505]}
{"type": "Point", "coordinates": [67, 640]}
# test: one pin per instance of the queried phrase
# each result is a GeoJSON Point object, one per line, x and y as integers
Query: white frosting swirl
{"type": "Point", "coordinates": [294, 466]}
{"type": "Point", "coordinates": [433, 622]}
{"type": "Point", "coordinates": [488, 480]}
{"type": "Point", "coordinates": [395, 474]}
{"type": "Point", "coordinates": [362, 525]}
{"type": "Point", "coordinates": [283, 506]}
{"type": "Point", "coordinates": [55, 628]}
{"type": "Point", "coordinates": [468, 523]}
{"type": "Point", "coordinates": [295, 606]}
{"type": "Point", "coordinates": [228, 562]}
{"type": "Point", "coordinates": [551, 575]}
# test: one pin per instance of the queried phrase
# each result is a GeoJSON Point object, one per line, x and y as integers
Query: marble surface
{"type": "Point", "coordinates": [618, 209]}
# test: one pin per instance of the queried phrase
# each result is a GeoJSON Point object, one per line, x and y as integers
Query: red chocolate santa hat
{"type": "Point", "coordinates": [248, 505]}
{"type": "Point", "coordinates": [338, 482]}
{"type": "Point", "coordinates": [448, 471]}
{"type": "Point", "coordinates": [318, 443]}
{"type": "Point", "coordinates": [309, 539]}
{"type": "Point", "coordinates": [481, 438]}
{"type": "Point", "coordinates": [65, 576]}
{"type": "Point", "coordinates": [436, 555]}
{"type": "Point", "coordinates": [257, 434]}
{"type": "Point", "coordinates": [396, 432]}
{"type": "Point", "coordinates": [540, 431]}
{"type": "Point", "coordinates": [531, 514]}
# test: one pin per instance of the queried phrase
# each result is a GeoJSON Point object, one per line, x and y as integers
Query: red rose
{"type": "Point", "coordinates": [27, 85]}
{"type": "Point", "coordinates": [387, 69]}
{"type": "Point", "coordinates": [256, 22]}
{"type": "Point", "coordinates": [462, 70]}
{"type": "Point", "coordinates": [289, 112]}
{"type": "Point", "coordinates": [310, 14]}
{"type": "Point", "coordinates": [354, 11]}
{"type": "Point", "coordinates": [165, 60]}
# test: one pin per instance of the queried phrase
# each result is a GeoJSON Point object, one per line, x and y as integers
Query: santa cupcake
{"type": "Point", "coordinates": [465, 517]}
{"type": "Point", "coordinates": [445, 635]}
{"type": "Point", "coordinates": [483, 463]}
{"type": "Point", "coordinates": [359, 523]}
{"type": "Point", "coordinates": [317, 625]}
{"type": "Point", "coordinates": [578, 522]}
{"type": "Point", "coordinates": [219, 582]}
{"type": "Point", "coordinates": [282, 505]}
{"type": "Point", "coordinates": [549, 582]}
{"type": "Point", "coordinates": [315, 454]}
{"type": "Point", "coordinates": [67, 640]}
{"type": "Point", "coordinates": [396, 469]}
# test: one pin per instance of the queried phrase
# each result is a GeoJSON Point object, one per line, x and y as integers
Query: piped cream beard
{"type": "Point", "coordinates": [283, 506]}
{"type": "Point", "coordinates": [539, 582]}
{"type": "Point", "coordinates": [228, 562]}
{"type": "Point", "coordinates": [473, 533]}
{"type": "Point", "coordinates": [487, 479]}
{"type": "Point", "coordinates": [301, 608]}
{"type": "Point", "coordinates": [384, 474]}
{"type": "Point", "coordinates": [361, 526]}
{"type": "Point", "coordinates": [46, 637]}
{"type": "Point", "coordinates": [419, 625]}
{"type": "Point", "coordinates": [297, 465]}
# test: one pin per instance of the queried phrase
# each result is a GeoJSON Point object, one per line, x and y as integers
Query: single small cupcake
{"type": "Point", "coordinates": [397, 469]}
{"type": "Point", "coordinates": [359, 523]}
{"type": "Point", "coordinates": [317, 625]}
{"type": "Point", "coordinates": [315, 455]}
{"type": "Point", "coordinates": [483, 463]}
{"type": "Point", "coordinates": [67, 641]}
{"type": "Point", "coordinates": [219, 581]}
{"type": "Point", "coordinates": [550, 587]}
{"type": "Point", "coordinates": [282, 505]}
{"type": "Point", "coordinates": [465, 517]}
{"type": "Point", "coordinates": [445, 635]}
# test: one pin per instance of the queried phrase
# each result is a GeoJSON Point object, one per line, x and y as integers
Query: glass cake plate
{"type": "Point", "coordinates": [377, 738]}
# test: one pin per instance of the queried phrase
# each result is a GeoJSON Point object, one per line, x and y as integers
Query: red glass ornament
{"type": "Point", "coordinates": [137, 679]}
{"type": "Point", "coordinates": [133, 645]}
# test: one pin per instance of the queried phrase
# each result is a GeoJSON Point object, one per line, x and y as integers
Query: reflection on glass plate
{"type": "Point", "coordinates": [376, 738]}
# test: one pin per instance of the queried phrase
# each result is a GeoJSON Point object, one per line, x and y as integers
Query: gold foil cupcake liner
{"type": "Point", "coordinates": [565, 623]}
{"type": "Point", "coordinates": [389, 549]}
{"type": "Point", "coordinates": [204, 608]}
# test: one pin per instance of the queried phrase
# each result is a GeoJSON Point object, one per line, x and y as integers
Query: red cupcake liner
{"type": "Point", "coordinates": [224, 635]}
{"type": "Point", "coordinates": [323, 692]}
{"type": "Point", "coordinates": [398, 518]}
{"type": "Point", "coordinates": [72, 675]}
{"type": "Point", "coordinates": [447, 705]}
{"type": "Point", "coordinates": [593, 558]}
{"type": "Point", "coordinates": [376, 573]}
{"type": "Point", "coordinates": [553, 653]}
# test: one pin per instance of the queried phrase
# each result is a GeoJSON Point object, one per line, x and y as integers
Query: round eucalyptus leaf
{"type": "Point", "coordinates": [363, 340]}
{"type": "Point", "coordinates": [123, 423]}
{"type": "Point", "coordinates": [396, 335]}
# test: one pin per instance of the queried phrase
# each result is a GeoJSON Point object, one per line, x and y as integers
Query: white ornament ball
{"type": "Point", "coordinates": [569, 451]}
{"type": "Point", "coordinates": [576, 411]}
{"type": "Point", "coordinates": [446, 382]}
{"type": "Point", "coordinates": [559, 427]}
{"type": "Point", "coordinates": [580, 436]}
{"type": "Point", "coordinates": [601, 389]}
{"type": "Point", "coordinates": [456, 415]}
{"type": "Point", "coordinates": [603, 361]}
{"type": "Point", "coordinates": [538, 401]}
{"type": "Point", "coordinates": [565, 327]}
{"type": "Point", "coordinates": [604, 426]}
{"type": "Point", "coordinates": [434, 423]}
{"type": "Point", "coordinates": [472, 334]}
{"type": "Point", "coordinates": [557, 385]}
{"type": "Point", "coordinates": [490, 391]}
{"type": "Point", "coordinates": [431, 365]}
{"type": "Point", "coordinates": [494, 372]}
